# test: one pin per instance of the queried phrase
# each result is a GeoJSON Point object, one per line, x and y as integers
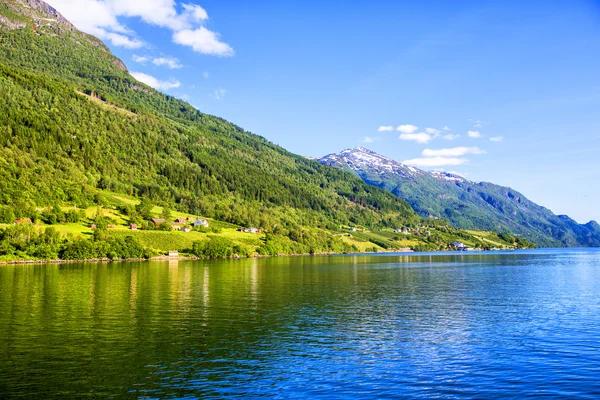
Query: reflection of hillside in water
{"type": "Point", "coordinates": [212, 327]}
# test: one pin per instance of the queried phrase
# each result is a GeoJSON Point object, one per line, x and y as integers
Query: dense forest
{"type": "Point", "coordinates": [73, 122]}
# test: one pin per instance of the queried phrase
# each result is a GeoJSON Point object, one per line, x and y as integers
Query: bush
{"type": "Point", "coordinates": [7, 215]}
{"type": "Point", "coordinates": [49, 218]}
{"type": "Point", "coordinates": [79, 249]}
{"type": "Point", "coordinates": [73, 216]}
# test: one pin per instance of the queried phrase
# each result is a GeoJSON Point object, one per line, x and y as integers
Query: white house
{"type": "Point", "coordinates": [201, 222]}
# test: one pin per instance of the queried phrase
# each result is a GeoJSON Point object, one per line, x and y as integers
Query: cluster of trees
{"type": "Point", "coordinates": [293, 242]}
{"type": "Point", "coordinates": [49, 216]}
{"type": "Point", "coordinates": [27, 242]}
{"type": "Point", "coordinates": [302, 241]}
{"type": "Point", "coordinates": [517, 241]}
{"type": "Point", "coordinates": [109, 247]}
{"type": "Point", "coordinates": [218, 247]}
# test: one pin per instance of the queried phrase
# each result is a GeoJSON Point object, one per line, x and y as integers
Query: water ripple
{"type": "Point", "coordinates": [508, 325]}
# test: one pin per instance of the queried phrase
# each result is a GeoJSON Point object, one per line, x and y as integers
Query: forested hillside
{"type": "Point", "coordinates": [73, 121]}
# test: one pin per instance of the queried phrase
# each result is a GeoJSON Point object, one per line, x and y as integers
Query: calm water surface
{"type": "Point", "coordinates": [380, 326]}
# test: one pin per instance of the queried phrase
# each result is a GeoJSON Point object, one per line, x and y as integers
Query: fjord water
{"type": "Point", "coordinates": [504, 324]}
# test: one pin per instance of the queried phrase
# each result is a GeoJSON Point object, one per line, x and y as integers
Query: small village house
{"type": "Point", "coordinates": [200, 222]}
{"type": "Point", "coordinates": [173, 254]}
{"type": "Point", "coordinates": [250, 230]}
{"type": "Point", "coordinates": [460, 246]}
{"type": "Point", "coordinates": [157, 221]}
{"type": "Point", "coordinates": [21, 221]}
{"type": "Point", "coordinates": [186, 229]}
{"type": "Point", "coordinates": [133, 227]}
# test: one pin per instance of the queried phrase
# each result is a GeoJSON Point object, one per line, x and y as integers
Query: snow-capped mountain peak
{"type": "Point", "coordinates": [363, 159]}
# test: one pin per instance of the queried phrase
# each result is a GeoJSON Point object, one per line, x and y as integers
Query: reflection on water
{"type": "Point", "coordinates": [473, 325]}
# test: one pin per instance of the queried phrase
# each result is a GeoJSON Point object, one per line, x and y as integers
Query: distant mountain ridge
{"type": "Point", "coordinates": [466, 204]}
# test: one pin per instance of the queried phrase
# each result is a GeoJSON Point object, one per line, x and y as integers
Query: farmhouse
{"type": "Point", "coordinates": [460, 246]}
{"type": "Point", "coordinates": [157, 221]}
{"type": "Point", "coordinates": [201, 222]}
{"type": "Point", "coordinates": [250, 230]}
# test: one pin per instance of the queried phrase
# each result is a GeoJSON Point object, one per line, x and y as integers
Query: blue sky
{"type": "Point", "coordinates": [317, 77]}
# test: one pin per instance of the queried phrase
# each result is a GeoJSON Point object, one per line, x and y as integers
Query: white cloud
{"type": "Point", "coordinates": [497, 139]}
{"type": "Point", "coordinates": [195, 12]}
{"type": "Point", "coordinates": [474, 134]}
{"type": "Point", "coordinates": [435, 161]}
{"type": "Point", "coordinates": [205, 74]}
{"type": "Point", "coordinates": [161, 13]}
{"type": "Point", "coordinates": [368, 139]}
{"type": "Point", "coordinates": [478, 123]}
{"type": "Point", "coordinates": [140, 59]}
{"type": "Point", "coordinates": [101, 18]}
{"type": "Point", "coordinates": [432, 131]}
{"type": "Point", "coordinates": [445, 128]}
{"type": "Point", "coordinates": [203, 41]}
{"type": "Point", "coordinates": [451, 136]}
{"type": "Point", "coordinates": [121, 40]}
{"type": "Point", "coordinates": [170, 62]}
{"type": "Point", "coordinates": [454, 152]}
{"type": "Point", "coordinates": [407, 128]}
{"type": "Point", "coordinates": [421, 137]}
{"type": "Point", "coordinates": [155, 83]}
{"type": "Point", "coordinates": [220, 93]}
{"type": "Point", "coordinates": [385, 129]}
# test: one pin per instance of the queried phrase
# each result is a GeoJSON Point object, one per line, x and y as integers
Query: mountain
{"type": "Point", "coordinates": [74, 124]}
{"type": "Point", "coordinates": [465, 204]}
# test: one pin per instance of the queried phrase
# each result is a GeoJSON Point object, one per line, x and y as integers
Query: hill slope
{"type": "Point", "coordinates": [74, 122]}
{"type": "Point", "coordinates": [466, 204]}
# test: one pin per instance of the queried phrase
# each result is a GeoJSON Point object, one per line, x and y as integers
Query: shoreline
{"type": "Point", "coordinates": [194, 258]}
{"type": "Point", "coordinates": [183, 258]}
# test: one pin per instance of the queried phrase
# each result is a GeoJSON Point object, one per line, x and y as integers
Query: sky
{"type": "Point", "coordinates": [499, 91]}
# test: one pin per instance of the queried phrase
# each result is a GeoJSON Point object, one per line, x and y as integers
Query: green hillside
{"type": "Point", "coordinates": [73, 121]}
{"type": "Point", "coordinates": [75, 125]}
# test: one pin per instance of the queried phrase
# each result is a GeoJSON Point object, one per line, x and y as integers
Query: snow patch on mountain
{"type": "Point", "coordinates": [363, 159]}
{"type": "Point", "coordinates": [447, 176]}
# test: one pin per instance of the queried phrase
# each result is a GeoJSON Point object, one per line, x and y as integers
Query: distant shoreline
{"type": "Point", "coordinates": [194, 258]}
{"type": "Point", "coordinates": [184, 258]}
